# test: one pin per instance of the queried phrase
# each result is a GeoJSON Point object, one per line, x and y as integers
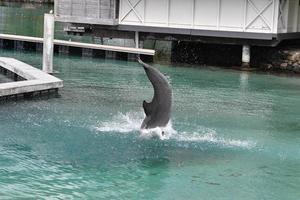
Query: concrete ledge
{"type": "Point", "coordinates": [36, 80]}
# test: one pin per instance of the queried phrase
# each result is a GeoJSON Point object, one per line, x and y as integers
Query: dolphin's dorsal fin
{"type": "Point", "coordinates": [147, 108]}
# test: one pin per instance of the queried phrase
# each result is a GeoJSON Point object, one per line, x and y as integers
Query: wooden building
{"type": "Point", "coordinates": [254, 19]}
{"type": "Point", "coordinates": [243, 22]}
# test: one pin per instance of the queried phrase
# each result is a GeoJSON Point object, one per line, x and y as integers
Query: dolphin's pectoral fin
{"type": "Point", "coordinates": [147, 108]}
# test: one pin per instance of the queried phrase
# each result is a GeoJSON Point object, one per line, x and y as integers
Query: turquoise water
{"type": "Point", "coordinates": [235, 135]}
{"type": "Point", "coordinates": [5, 79]}
{"type": "Point", "coordinates": [23, 18]}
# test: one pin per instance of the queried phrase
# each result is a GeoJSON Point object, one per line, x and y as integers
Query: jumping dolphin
{"type": "Point", "coordinates": [159, 109]}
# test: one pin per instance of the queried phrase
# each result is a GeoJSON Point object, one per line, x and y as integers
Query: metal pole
{"type": "Point", "coordinates": [48, 43]}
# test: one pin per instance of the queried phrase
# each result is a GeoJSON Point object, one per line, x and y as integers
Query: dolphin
{"type": "Point", "coordinates": [159, 109]}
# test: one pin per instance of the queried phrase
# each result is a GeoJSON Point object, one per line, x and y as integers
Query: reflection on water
{"type": "Point", "coordinates": [23, 18]}
{"type": "Point", "coordinates": [244, 80]}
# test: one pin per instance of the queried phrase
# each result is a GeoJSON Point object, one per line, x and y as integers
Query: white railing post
{"type": "Point", "coordinates": [137, 39]}
{"type": "Point", "coordinates": [48, 43]}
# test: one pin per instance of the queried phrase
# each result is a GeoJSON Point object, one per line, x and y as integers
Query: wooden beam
{"type": "Point", "coordinates": [81, 44]}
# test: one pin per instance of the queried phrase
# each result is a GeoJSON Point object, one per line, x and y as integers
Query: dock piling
{"type": "Point", "coordinates": [48, 43]}
{"type": "Point", "coordinates": [137, 39]}
{"type": "Point", "coordinates": [246, 56]}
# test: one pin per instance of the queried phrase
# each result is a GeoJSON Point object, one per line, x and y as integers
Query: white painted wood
{"type": "Point", "coordinates": [224, 15]}
{"type": "Point", "coordinates": [283, 16]}
{"type": "Point", "coordinates": [245, 14]}
{"type": "Point", "coordinates": [293, 10]}
{"type": "Point", "coordinates": [81, 45]}
{"type": "Point", "coordinates": [137, 39]}
{"type": "Point", "coordinates": [106, 47]}
{"type": "Point", "coordinates": [246, 54]}
{"type": "Point", "coordinates": [276, 16]}
{"type": "Point", "coordinates": [261, 18]}
{"type": "Point", "coordinates": [48, 43]}
{"type": "Point", "coordinates": [168, 11]}
{"type": "Point", "coordinates": [298, 26]}
{"type": "Point", "coordinates": [155, 11]}
{"type": "Point", "coordinates": [180, 13]}
{"type": "Point", "coordinates": [219, 14]}
{"type": "Point", "coordinates": [132, 11]}
{"type": "Point", "coordinates": [253, 16]}
{"type": "Point", "coordinates": [36, 80]}
{"type": "Point", "coordinates": [206, 15]}
{"type": "Point", "coordinates": [296, 16]}
{"type": "Point", "coordinates": [231, 14]}
{"type": "Point", "coordinates": [193, 13]}
{"type": "Point", "coordinates": [21, 38]}
{"type": "Point", "coordinates": [86, 11]}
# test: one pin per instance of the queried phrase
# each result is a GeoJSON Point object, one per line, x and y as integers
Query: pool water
{"type": "Point", "coordinates": [5, 79]}
{"type": "Point", "coordinates": [233, 135]}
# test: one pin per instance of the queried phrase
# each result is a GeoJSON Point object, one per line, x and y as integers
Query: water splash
{"type": "Point", "coordinates": [130, 123]}
{"type": "Point", "coordinates": [212, 137]}
{"type": "Point", "coordinates": [164, 133]}
{"type": "Point", "coordinates": [122, 123]}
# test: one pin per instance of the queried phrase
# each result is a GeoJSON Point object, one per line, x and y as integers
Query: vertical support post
{"type": "Point", "coordinates": [56, 7]}
{"type": "Point", "coordinates": [246, 56]}
{"type": "Point", "coordinates": [193, 13]}
{"type": "Point", "coordinates": [168, 12]}
{"type": "Point", "coordinates": [296, 16]}
{"type": "Point", "coordinates": [48, 43]}
{"type": "Point", "coordinates": [245, 15]}
{"type": "Point", "coordinates": [219, 14]}
{"type": "Point", "coordinates": [137, 39]}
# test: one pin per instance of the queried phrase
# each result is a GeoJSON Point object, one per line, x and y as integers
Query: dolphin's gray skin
{"type": "Point", "coordinates": [159, 109]}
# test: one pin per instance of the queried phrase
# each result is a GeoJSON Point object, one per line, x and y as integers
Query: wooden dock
{"type": "Point", "coordinates": [35, 79]}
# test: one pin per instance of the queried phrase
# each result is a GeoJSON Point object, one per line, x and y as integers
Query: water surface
{"type": "Point", "coordinates": [5, 79]}
{"type": "Point", "coordinates": [236, 135]}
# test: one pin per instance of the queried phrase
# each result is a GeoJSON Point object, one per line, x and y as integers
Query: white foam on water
{"type": "Point", "coordinates": [122, 123]}
{"type": "Point", "coordinates": [130, 122]}
{"type": "Point", "coordinates": [163, 133]}
{"type": "Point", "coordinates": [212, 137]}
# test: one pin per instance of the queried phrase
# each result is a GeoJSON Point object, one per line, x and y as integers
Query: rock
{"type": "Point", "coordinates": [295, 56]}
{"type": "Point", "coordinates": [266, 66]}
{"type": "Point", "coordinates": [285, 51]}
{"type": "Point", "coordinates": [296, 70]}
{"type": "Point", "coordinates": [269, 66]}
{"type": "Point", "coordinates": [290, 67]}
{"type": "Point", "coordinates": [283, 65]}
